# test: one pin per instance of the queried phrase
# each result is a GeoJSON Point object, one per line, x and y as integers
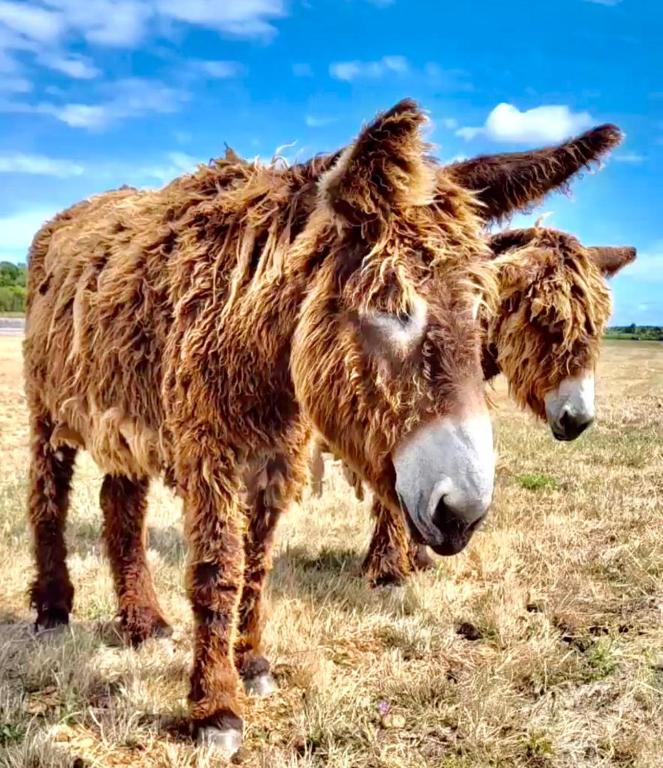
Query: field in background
{"type": "Point", "coordinates": [541, 645]}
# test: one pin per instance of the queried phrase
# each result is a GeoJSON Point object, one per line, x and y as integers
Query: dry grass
{"type": "Point", "coordinates": [561, 593]}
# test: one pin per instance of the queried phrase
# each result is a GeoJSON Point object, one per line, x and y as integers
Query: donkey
{"type": "Point", "coordinates": [189, 333]}
{"type": "Point", "coordinates": [544, 337]}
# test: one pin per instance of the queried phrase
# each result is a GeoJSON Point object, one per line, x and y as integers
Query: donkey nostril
{"type": "Point", "coordinates": [573, 426]}
{"type": "Point", "coordinates": [442, 514]}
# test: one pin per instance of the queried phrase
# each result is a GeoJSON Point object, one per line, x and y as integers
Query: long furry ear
{"type": "Point", "coordinates": [383, 170]}
{"type": "Point", "coordinates": [510, 239]}
{"type": "Point", "coordinates": [516, 181]}
{"type": "Point", "coordinates": [518, 257]}
{"type": "Point", "coordinates": [611, 259]}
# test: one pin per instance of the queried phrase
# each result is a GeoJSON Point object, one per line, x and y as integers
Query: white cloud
{"type": "Point", "coordinates": [120, 23]}
{"type": "Point", "coordinates": [452, 80]}
{"type": "Point", "coordinates": [239, 18]}
{"type": "Point", "coordinates": [633, 158]}
{"type": "Point", "coordinates": [221, 70]}
{"type": "Point", "coordinates": [31, 22]}
{"type": "Point", "coordinates": [604, 2]}
{"type": "Point", "coordinates": [450, 123]}
{"type": "Point", "coordinates": [39, 165]}
{"type": "Point", "coordinates": [14, 85]}
{"type": "Point", "coordinates": [73, 65]}
{"type": "Point", "coordinates": [318, 121]}
{"type": "Point", "coordinates": [42, 29]}
{"type": "Point", "coordinates": [508, 124]}
{"type": "Point", "coordinates": [127, 98]}
{"type": "Point", "coordinates": [373, 70]}
{"type": "Point", "coordinates": [77, 115]}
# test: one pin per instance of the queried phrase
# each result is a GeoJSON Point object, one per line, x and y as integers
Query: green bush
{"type": "Point", "coordinates": [12, 287]}
{"type": "Point", "coordinates": [12, 298]}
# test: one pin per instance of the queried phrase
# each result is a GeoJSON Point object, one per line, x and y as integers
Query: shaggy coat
{"type": "Point", "coordinates": [552, 310]}
{"type": "Point", "coordinates": [197, 332]}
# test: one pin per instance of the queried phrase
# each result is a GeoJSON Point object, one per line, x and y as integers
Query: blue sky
{"type": "Point", "coordinates": [97, 93]}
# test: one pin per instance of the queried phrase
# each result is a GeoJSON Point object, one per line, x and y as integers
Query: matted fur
{"type": "Point", "coordinates": [188, 332]}
{"type": "Point", "coordinates": [552, 309]}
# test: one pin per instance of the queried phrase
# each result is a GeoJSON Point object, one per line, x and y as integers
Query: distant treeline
{"type": "Point", "coordinates": [635, 332]}
{"type": "Point", "coordinates": [12, 287]}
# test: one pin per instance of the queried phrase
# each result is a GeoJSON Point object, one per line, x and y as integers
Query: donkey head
{"type": "Point", "coordinates": [386, 356]}
{"type": "Point", "coordinates": [386, 360]}
{"type": "Point", "coordinates": [553, 308]}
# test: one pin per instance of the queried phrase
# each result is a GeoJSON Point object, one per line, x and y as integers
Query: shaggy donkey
{"type": "Point", "coordinates": [552, 310]}
{"type": "Point", "coordinates": [189, 333]}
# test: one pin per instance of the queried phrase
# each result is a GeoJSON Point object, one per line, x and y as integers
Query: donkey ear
{"type": "Point", "coordinates": [611, 259]}
{"type": "Point", "coordinates": [517, 258]}
{"type": "Point", "coordinates": [384, 168]}
{"type": "Point", "coordinates": [516, 181]}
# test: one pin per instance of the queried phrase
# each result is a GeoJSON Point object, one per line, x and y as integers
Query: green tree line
{"type": "Point", "coordinates": [12, 287]}
{"type": "Point", "coordinates": [635, 332]}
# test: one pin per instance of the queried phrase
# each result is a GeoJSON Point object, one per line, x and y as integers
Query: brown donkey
{"type": "Point", "coordinates": [544, 337]}
{"type": "Point", "coordinates": [189, 333]}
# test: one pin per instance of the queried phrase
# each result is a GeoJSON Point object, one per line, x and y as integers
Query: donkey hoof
{"type": "Point", "coordinates": [162, 632]}
{"type": "Point", "coordinates": [137, 632]}
{"type": "Point", "coordinates": [226, 742]}
{"type": "Point", "coordinates": [261, 685]}
{"type": "Point", "coordinates": [52, 623]}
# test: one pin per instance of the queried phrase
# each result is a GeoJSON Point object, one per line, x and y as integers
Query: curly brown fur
{"type": "Point", "coordinates": [124, 504]}
{"type": "Point", "coordinates": [51, 471]}
{"type": "Point", "coordinates": [552, 311]}
{"type": "Point", "coordinates": [554, 307]}
{"type": "Point", "coordinates": [186, 332]}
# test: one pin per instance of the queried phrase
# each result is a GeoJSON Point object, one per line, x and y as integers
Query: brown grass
{"type": "Point", "coordinates": [541, 645]}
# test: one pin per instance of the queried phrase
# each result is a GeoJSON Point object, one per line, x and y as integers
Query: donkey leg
{"type": "Point", "coordinates": [388, 561]}
{"type": "Point", "coordinates": [420, 559]}
{"type": "Point", "coordinates": [51, 470]}
{"type": "Point", "coordinates": [124, 504]}
{"type": "Point", "coordinates": [215, 523]}
{"type": "Point", "coordinates": [251, 663]}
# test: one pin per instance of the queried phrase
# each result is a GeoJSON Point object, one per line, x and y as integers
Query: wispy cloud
{"type": "Point", "coordinates": [238, 18]}
{"type": "Point", "coordinates": [318, 121]}
{"type": "Point", "coordinates": [30, 22]}
{"type": "Point", "coordinates": [452, 80]}
{"type": "Point", "coordinates": [632, 158]}
{"type": "Point", "coordinates": [219, 70]}
{"type": "Point", "coordinates": [42, 32]}
{"type": "Point", "coordinates": [604, 2]}
{"type": "Point", "coordinates": [14, 84]}
{"type": "Point", "coordinates": [75, 66]}
{"type": "Point", "coordinates": [127, 98]}
{"type": "Point", "coordinates": [369, 70]}
{"type": "Point", "coordinates": [549, 123]}
{"type": "Point", "coordinates": [39, 165]}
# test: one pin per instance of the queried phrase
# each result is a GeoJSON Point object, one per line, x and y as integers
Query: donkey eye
{"type": "Point", "coordinates": [396, 330]}
{"type": "Point", "coordinates": [403, 316]}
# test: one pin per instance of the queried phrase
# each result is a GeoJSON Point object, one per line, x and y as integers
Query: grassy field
{"type": "Point", "coordinates": [540, 645]}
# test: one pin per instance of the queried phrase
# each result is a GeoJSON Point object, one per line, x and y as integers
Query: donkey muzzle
{"type": "Point", "coordinates": [570, 408]}
{"type": "Point", "coordinates": [445, 474]}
